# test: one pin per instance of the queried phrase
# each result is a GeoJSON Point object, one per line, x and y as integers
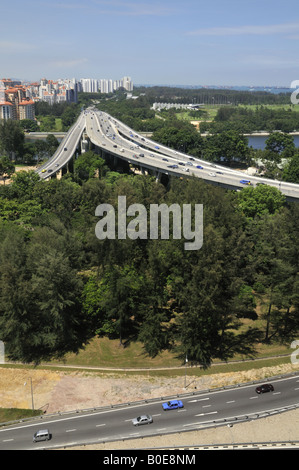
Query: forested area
{"type": "Point", "coordinates": [246, 120]}
{"type": "Point", "coordinates": [60, 286]}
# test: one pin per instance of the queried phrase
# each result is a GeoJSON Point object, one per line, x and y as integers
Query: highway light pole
{"type": "Point", "coordinates": [186, 360]}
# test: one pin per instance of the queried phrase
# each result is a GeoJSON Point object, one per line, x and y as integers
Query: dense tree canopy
{"type": "Point", "coordinates": [60, 285]}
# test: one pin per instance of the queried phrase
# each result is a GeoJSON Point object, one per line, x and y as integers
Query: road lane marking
{"type": "Point", "coordinates": [70, 430]}
{"type": "Point", "coordinates": [231, 401]}
{"type": "Point", "coordinates": [99, 425]}
{"type": "Point", "coordinates": [196, 400]}
{"type": "Point", "coordinates": [209, 413]}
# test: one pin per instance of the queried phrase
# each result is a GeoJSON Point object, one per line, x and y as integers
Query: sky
{"type": "Point", "coordinates": [165, 42]}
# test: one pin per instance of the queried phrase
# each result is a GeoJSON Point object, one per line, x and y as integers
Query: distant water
{"type": "Point", "coordinates": [270, 89]}
{"type": "Point", "coordinates": [259, 141]}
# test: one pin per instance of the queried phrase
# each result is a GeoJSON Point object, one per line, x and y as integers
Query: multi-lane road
{"type": "Point", "coordinates": [201, 409]}
{"type": "Point", "coordinates": [115, 138]}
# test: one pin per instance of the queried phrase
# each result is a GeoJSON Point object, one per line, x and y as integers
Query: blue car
{"type": "Point", "coordinates": [199, 166]}
{"type": "Point", "coordinates": [245, 181]}
{"type": "Point", "coordinates": [172, 405]}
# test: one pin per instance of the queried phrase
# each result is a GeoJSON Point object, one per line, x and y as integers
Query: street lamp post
{"type": "Point", "coordinates": [186, 360]}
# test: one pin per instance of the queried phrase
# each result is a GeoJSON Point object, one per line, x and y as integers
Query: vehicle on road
{"type": "Point", "coordinates": [43, 171]}
{"type": "Point", "coordinates": [143, 419]}
{"type": "Point", "coordinates": [42, 435]}
{"type": "Point", "coordinates": [172, 405]}
{"type": "Point", "coordinates": [245, 181]}
{"type": "Point", "coordinates": [199, 166]}
{"type": "Point", "coordinates": [264, 388]}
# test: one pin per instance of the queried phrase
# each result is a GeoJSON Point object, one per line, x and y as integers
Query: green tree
{"type": "Point", "coordinates": [40, 310]}
{"type": "Point", "coordinates": [228, 145]}
{"type": "Point", "coordinates": [11, 138]}
{"type": "Point", "coordinates": [262, 199]}
{"type": "Point", "coordinates": [291, 169]}
{"type": "Point", "coordinates": [112, 301]}
{"type": "Point", "coordinates": [275, 267]}
{"type": "Point", "coordinates": [87, 164]}
{"type": "Point", "coordinates": [7, 168]}
{"type": "Point", "coordinates": [281, 144]}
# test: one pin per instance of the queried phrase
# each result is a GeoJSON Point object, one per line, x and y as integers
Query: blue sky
{"type": "Point", "coordinates": [189, 42]}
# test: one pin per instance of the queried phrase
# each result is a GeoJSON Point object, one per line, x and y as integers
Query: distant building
{"type": "Point", "coordinates": [5, 110]}
{"type": "Point", "coordinates": [26, 109]}
{"type": "Point", "coordinates": [109, 85]}
{"type": "Point", "coordinates": [17, 100]}
{"type": "Point", "coordinates": [89, 85]}
{"type": "Point", "coordinates": [14, 103]}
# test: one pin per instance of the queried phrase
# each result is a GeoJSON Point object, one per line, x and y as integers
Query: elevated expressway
{"type": "Point", "coordinates": [118, 140]}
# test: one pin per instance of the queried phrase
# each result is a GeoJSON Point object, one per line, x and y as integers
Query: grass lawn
{"type": "Point", "coordinates": [11, 414]}
{"type": "Point", "coordinates": [105, 353]}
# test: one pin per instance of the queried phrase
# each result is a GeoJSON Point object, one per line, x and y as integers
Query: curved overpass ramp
{"type": "Point", "coordinates": [117, 139]}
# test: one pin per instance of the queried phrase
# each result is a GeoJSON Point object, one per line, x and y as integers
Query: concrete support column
{"type": "Point", "coordinates": [158, 176]}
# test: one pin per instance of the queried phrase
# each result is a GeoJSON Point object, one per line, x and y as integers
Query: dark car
{"type": "Point", "coordinates": [264, 388]}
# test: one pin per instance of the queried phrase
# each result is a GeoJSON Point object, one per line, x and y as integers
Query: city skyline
{"type": "Point", "coordinates": [226, 43]}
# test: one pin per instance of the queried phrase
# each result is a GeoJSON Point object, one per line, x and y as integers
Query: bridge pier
{"type": "Point", "coordinates": [84, 143]}
{"type": "Point", "coordinates": [158, 176]}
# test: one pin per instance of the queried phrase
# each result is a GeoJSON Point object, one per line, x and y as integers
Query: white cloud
{"type": "Point", "coordinates": [286, 28]}
{"type": "Point", "coordinates": [69, 63]}
{"type": "Point", "coordinates": [13, 46]}
{"type": "Point", "coordinates": [132, 8]}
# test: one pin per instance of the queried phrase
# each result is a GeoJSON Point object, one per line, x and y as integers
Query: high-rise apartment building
{"type": "Point", "coordinates": [89, 85]}
{"type": "Point", "coordinates": [14, 103]}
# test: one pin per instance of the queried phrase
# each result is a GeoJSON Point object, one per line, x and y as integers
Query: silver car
{"type": "Point", "coordinates": [143, 419]}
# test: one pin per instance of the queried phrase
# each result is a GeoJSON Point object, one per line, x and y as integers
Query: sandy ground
{"type": "Point", "coordinates": [18, 168]}
{"type": "Point", "coordinates": [55, 391]}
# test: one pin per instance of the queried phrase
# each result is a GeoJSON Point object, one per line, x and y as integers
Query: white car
{"type": "Point", "coordinates": [143, 419]}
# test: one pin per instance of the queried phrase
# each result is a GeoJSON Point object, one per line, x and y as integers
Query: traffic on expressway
{"type": "Point", "coordinates": [195, 411]}
{"type": "Point", "coordinates": [117, 139]}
